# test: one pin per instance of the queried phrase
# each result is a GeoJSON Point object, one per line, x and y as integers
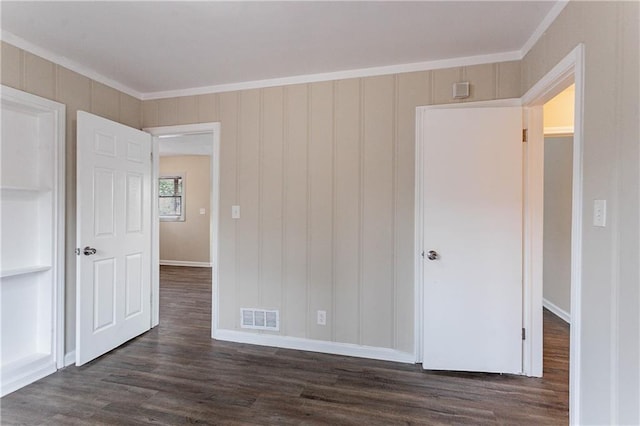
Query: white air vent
{"type": "Point", "coordinates": [260, 319]}
{"type": "Point", "coordinates": [461, 90]}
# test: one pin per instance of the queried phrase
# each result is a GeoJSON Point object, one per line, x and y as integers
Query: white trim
{"type": "Point", "coordinates": [498, 103]}
{"type": "Point", "coordinates": [155, 234]}
{"type": "Point", "coordinates": [67, 63]}
{"type": "Point", "coordinates": [27, 373]}
{"type": "Point", "coordinates": [532, 248]}
{"type": "Point", "coordinates": [339, 75]}
{"type": "Point", "coordinates": [165, 131]}
{"type": "Point", "coordinates": [301, 344]}
{"type": "Point", "coordinates": [418, 261]}
{"type": "Point", "coordinates": [570, 68]}
{"type": "Point", "coordinates": [557, 311]}
{"type": "Point", "coordinates": [544, 26]}
{"type": "Point", "coordinates": [185, 263]}
{"type": "Point", "coordinates": [70, 358]}
{"type": "Point", "coordinates": [558, 131]}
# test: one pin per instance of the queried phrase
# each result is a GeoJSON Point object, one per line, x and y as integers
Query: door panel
{"type": "Point", "coordinates": [472, 201]}
{"type": "Point", "coordinates": [114, 217]}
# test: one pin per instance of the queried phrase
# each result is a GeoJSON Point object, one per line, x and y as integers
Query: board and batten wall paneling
{"type": "Point", "coordinates": [228, 227]}
{"type": "Point", "coordinates": [30, 73]}
{"type": "Point", "coordinates": [295, 214]}
{"type": "Point", "coordinates": [610, 295]}
{"type": "Point", "coordinates": [248, 250]}
{"type": "Point", "coordinates": [377, 219]}
{"type": "Point", "coordinates": [271, 225]}
{"type": "Point", "coordinates": [320, 207]}
{"type": "Point", "coordinates": [347, 209]}
{"type": "Point", "coordinates": [324, 175]}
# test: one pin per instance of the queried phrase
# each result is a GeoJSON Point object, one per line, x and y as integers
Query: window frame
{"type": "Point", "coordinates": [182, 195]}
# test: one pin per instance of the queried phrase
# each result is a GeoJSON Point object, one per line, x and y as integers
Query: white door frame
{"type": "Point", "coordinates": [570, 69]}
{"type": "Point", "coordinates": [418, 260]}
{"type": "Point", "coordinates": [166, 131]}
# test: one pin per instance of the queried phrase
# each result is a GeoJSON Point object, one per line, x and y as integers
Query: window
{"type": "Point", "coordinates": [171, 198]}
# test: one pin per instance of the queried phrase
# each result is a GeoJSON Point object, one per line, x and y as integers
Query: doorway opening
{"type": "Point", "coordinates": [185, 214]}
{"type": "Point", "coordinates": [569, 72]}
{"type": "Point", "coordinates": [558, 120]}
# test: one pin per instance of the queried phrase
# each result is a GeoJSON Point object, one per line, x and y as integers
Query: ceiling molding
{"type": "Point", "coordinates": [558, 131]}
{"type": "Point", "coordinates": [67, 63]}
{"type": "Point", "coordinates": [340, 75]}
{"type": "Point", "coordinates": [544, 26]}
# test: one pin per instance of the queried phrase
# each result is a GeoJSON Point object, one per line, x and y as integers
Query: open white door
{"type": "Point", "coordinates": [472, 236]}
{"type": "Point", "coordinates": [113, 235]}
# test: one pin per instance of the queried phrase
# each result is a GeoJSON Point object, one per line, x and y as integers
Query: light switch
{"type": "Point", "coordinates": [600, 213]}
{"type": "Point", "coordinates": [203, 210]}
{"type": "Point", "coordinates": [235, 212]}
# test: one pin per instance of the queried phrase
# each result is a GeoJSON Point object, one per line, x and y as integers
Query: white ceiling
{"type": "Point", "coordinates": [151, 47]}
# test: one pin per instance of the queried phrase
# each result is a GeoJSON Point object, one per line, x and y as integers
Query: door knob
{"type": "Point", "coordinates": [88, 251]}
{"type": "Point", "coordinates": [432, 255]}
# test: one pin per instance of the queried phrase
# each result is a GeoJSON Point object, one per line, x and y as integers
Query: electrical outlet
{"type": "Point", "coordinates": [322, 317]}
{"type": "Point", "coordinates": [235, 212]}
{"type": "Point", "coordinates": [600, 213]}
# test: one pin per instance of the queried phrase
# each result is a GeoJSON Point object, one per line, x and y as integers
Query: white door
{"type": "Point", "coordinates": [114, 225]}
{"type": "Point", "coordinates": [472, 223]}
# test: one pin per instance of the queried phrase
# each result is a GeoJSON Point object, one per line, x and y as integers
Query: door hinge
{"type": "Point", "coordinates": [524, 334]}
{"type": "Point", "coordinates": [525, 135]}
{"type": "Point", "coordinates": [151, 155]}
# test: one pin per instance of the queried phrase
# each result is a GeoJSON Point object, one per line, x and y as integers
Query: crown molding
{"type": "Point", "coordinates": [544, 26]}
{"type": "Point", "coordinates": [339, 75]}
{"type": "Point", "coordinates": [67, 63]}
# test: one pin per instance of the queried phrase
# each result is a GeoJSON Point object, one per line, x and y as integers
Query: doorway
{"type": "Point", "coordinates": [558, 118]}
{"type": "Point", "coordinates": [185, 147]}
{"type": "Point", "coordinates": [570, 70]}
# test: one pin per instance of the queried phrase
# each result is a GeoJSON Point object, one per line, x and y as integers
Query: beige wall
{"type": "Point", "coordinates": [558, 166]}
{"type": "Point", "coordinates": [188, 241]}
{"type": "Point", "coordinates": [610, 345]}
{"type": "Point", "coordinates": [558, 112]}
{"type": "Point", "coordinates": [30, 73]}
{"type": "Point", "coordinates": [324, 175]}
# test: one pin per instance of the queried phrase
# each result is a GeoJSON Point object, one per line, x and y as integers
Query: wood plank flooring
{"type": "Point", "coordinates": [176, 374]}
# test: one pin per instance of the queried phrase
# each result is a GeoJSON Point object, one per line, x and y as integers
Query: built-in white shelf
{"type": "Point", "coordinates": [32, 237]}
{"type": "Point", "coordinates": [25, 270]}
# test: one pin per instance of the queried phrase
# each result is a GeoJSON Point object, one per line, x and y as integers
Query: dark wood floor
{"type": "Point", "coordinates": [175, 374]}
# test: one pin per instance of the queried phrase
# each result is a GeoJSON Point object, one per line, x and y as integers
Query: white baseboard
{"type": "Point", "coordinates": [70, 358]}
{"type": "Point", "coordinates": [334, 348]}
{"type": "Point", "coordinates": [23, 375]}
{"type": "Point", "coordinates": [561, 313]}
{"type": "Point", "coordinates": [185, 263]}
